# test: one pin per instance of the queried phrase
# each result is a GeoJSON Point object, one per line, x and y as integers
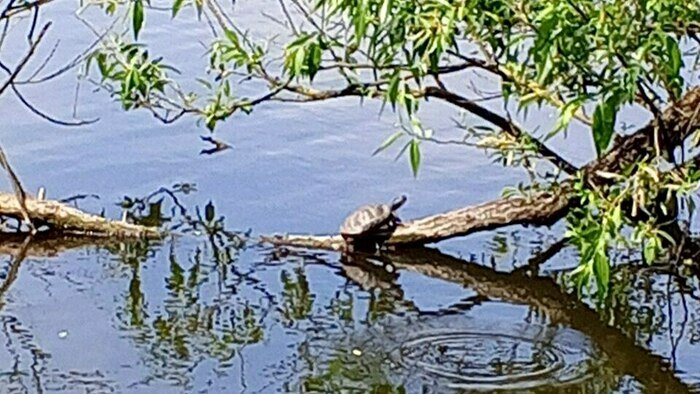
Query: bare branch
{"type": "Point", "coordinates": [289, 18]}
{"type": "Point", "coordinates": [13, 9]}
{"type": "Point", "coordinates": [497, 120]}
{"type": "Point", "coordinates": [68, 220]}
{"type": "Point", "coordinates": [49, 118]}
{"type": "Point", "coordinates": [20, 194]}
{"type": "Point", "coordinates": [541, 207]}
{"type": "Point", "coordinates": [23, 62]}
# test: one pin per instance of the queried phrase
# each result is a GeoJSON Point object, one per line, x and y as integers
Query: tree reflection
{"type": "Point", "coordinates": [347, 371]}
{"type": "Point", "coordinates": [297, 298]}
{"type": "Point", "coordinates": [190, 300]}
{"type": "Point", "coordinates": [342, 360]}
{"type": "Point", "coordinates": [200, 317]}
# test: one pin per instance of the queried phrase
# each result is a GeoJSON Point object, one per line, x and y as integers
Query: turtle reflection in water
{"type": "Point", "coordinates": [369, 226]}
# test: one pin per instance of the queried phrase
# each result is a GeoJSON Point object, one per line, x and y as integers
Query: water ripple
{"type": "Point", "coordinates": [516, 357]}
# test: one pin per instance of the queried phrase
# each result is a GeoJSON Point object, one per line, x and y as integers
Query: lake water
{"type": "Point", "coordinates": [189, 315]}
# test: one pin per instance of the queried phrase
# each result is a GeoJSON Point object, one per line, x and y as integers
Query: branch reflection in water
{"type": "Point", "coordinates": [205, 309]}
{"type": "Point", "coordinates": [566, 347]}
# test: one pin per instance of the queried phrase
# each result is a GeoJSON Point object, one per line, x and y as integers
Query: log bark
{"type": "Point", "coordinates": [68, 220]}
{"type": "Point", "coordinates": [676, 123]}
{"type": "Point", "coordinates": [540, 208]}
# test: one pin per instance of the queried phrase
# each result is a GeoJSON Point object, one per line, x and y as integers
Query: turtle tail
{"type": "Point", "coordinates": [398, 202]}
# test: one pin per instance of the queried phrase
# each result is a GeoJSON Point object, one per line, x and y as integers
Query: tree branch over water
{"type": "Point", "coordinates": [560, 59]}
{"type": "Point", "coordinates": [539, 207]}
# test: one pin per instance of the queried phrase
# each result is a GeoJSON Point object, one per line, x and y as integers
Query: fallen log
{"type": "Point", "coordinates": [538, 208]}
{"type": "Point", "coordinates": [541, 208]}
{"type": "Point", "coordinates": [65, 219]}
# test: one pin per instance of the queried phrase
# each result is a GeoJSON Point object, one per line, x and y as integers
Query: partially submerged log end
{"type": "Point", "coordinates": [68, 220]}
{"type": "Point", "coordinates": [327, 242]}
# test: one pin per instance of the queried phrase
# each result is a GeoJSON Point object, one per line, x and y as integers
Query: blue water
{"type": "Point", "coordinates": [94, 319]}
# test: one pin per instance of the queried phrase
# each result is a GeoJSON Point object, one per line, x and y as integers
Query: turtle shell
{"type": "Point", "coordinates": [370, 219]}
{"type": "Point", "coordinates": [366, 219]}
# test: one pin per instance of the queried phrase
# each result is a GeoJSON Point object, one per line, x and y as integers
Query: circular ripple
{"type": "Point", "coordinates": [487, 360]}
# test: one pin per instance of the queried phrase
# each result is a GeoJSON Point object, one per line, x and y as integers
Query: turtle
{"type": "Point", "coordinates": [370, 225]}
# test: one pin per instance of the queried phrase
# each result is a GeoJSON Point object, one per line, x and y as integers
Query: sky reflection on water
{"type": "Point", "coordinates": [178, 315]}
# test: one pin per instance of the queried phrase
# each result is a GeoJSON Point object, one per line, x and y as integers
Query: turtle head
{"type": "Point", "coordinates": [398, 202]}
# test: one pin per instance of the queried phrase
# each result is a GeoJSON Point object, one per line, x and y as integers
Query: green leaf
{"type": "Point", "coordinates": [601, 270]}
{"type": "Point", "coordinates": [414, 156]}
{"type": "Point", "coordinates": [674, 55]}
{"type": "Point", "coordinates": [137, 17]}
{"type": "Point", "coordinates": [388, 142]}
{"type": "Point", "coordinates": [360, 19]}
{"type": "Point", "coordinates": [210, 122]}
{"type": "Point", "coordinates": [177, 5]}
{"type": "Point", "coordinates": [232, 37]}
{"type": "Point", "coordinates": [298, 63]}
{"type": "Point", "coordinates": [384, 10]}
{"type": "Point", "coordinates": [545, 70]}
{"type": "Point", "coordinates": [392, 91]}
{"type": "Point", "coordinates": [314, 61]}
{"type": "Point", "coordinates": [650, 250]}
{"type": "Point", "coordinates": [673, 66]}
{"type": "Point", "coordinates": [567, 113]}
{"type": "Point", "coordinates": [403, 149]}
{"type": "Point", "coordinates": [604, 124]}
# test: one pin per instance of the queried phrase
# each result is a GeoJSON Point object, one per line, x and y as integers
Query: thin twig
{"type": "Point", "coordinates": [49, 118]}
{"type": "Point", "coordinates": [497, 120]}
{"type": "Point", "coordinates": [25, 59]}
{"type": "Point", "coordinates": [17, 187]}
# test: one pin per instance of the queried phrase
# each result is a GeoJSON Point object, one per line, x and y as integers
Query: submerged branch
{"type": "Point", "coordinates": [46, 244]}
{"type": "Point", "coordinates": [545, 296]}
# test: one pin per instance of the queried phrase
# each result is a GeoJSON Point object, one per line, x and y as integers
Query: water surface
{"type": "Point", "coordinates": [189, 315]}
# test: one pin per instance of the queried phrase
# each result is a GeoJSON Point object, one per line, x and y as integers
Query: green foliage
{"type": "Point", "coordinates": [298, 299]}
{"type": "Point", "coordinates": [563, 54]}
{"type": "Point", "coordinates": [414, 156]}
{"type": "Point", "coordinates": [231, 51]}
{"type": "Point", "coordinates": [302, 57]}
{"type": "Point", "coordinates": [416, 133]}
{"type": "Point", "coordinates": [138, 77]}
{"type": "Point", "coordinates": [641, 200]}
{"type": "Point", "coordinates": [582, 60]}
{"type": "Point", "coordinates": [177, 6]}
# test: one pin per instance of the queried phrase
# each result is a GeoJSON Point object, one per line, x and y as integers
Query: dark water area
{"type": "Point", "coordinates": [187, 314]}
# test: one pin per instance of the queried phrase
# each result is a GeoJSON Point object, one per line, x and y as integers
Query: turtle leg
{"type": "Point", "coordinates": [385, 247]}
{"type": "Point", "coordinates": [349, 244]}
